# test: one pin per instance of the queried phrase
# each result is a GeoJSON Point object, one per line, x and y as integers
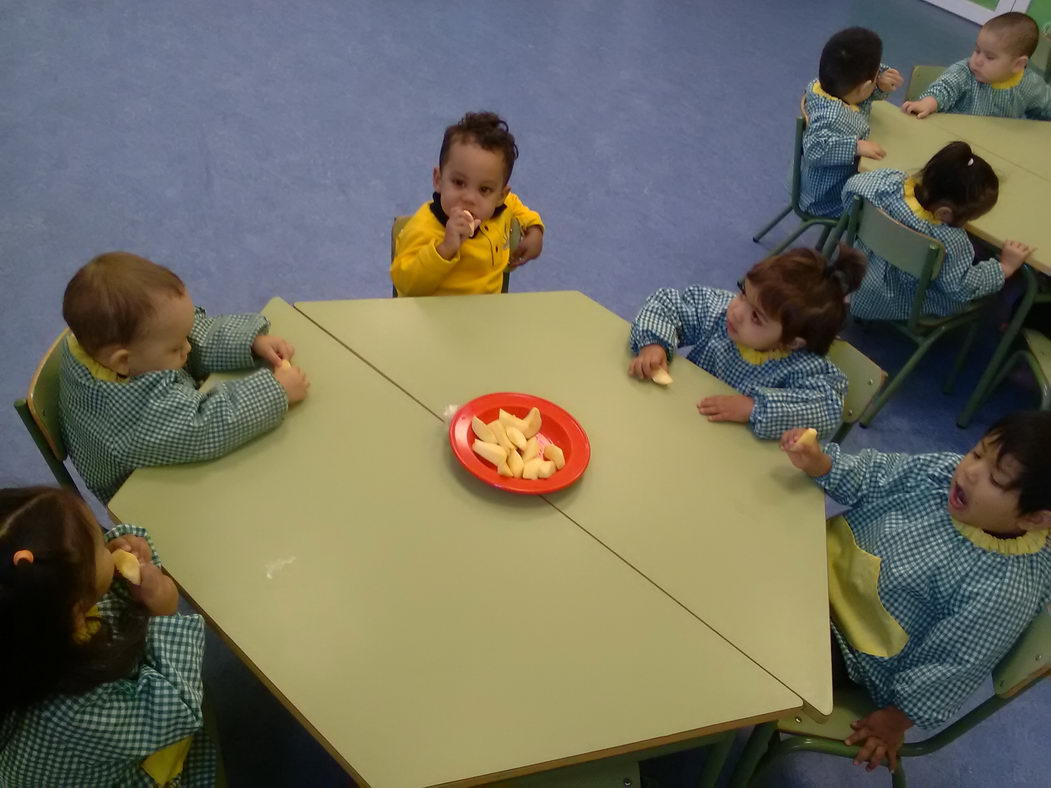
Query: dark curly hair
{"type": "Point", "coordinates": [487, 130]}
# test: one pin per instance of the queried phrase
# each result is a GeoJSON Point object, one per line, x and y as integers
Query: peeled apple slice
{"type": "Point", "coordinates": [545, 469]}
{"type": "Point", "coordinates": [532, 468]}
{"type": "Point", "coordinates": [553, 453]}
{"type": "Point", "coordinates": [516, 437]}
{"type": "Point", "coordinates": [285, 364]}
{"type": "Point", "coordinates": [662, 377]}
{"type": "Point", "coordinates": [515, 463]}
{"type": "Point", "coordinates": [532, 423]}
{"type": "Point", "coordinates": [532, 449]}
{"type": "Point", "coordinates": [809, 437]}
{"type": "Point", "coordinates": [508, 420]}
{"type": "Point", "coordinates": [481, 429]}
{"type": "Point", "coordinates": [497, 455]}
{"type": "Point", "coordinates": [128, 566]}
{"type": "Point", "coordinates": [501, 435]}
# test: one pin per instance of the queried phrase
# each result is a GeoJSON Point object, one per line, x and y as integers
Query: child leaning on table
{"type": "Point", "coordinates": [100, 680]}
{"type": "Point", "coordinates": [954, 187]}
{"type": "Point", "coordinates": [837, 106]}
{"type": "Point", "coordinates": [935, 570]}
{"type": "Point", "coordinates": [458, 243]}
{"type": "Point", "coordinates": [128, 383]}
{"type": "Point", "coordinates": [994, 81]}
{"type": "Point", "coordinates": [768, 341]}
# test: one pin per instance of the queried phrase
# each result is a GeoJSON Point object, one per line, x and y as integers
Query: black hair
{"type": "Point", "coordinates": [39, 599]}
{"type": "Point", "coordinates": [487, 130]}
{"type": "Point", "coordinates": [1025, 436]}
{"type": "Point", "coordinates": [850, 57]}
{"type": "Point", "coordinates": [958, 178]}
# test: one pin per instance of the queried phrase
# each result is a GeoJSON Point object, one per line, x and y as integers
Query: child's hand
{"type": "Point", "coordinates": [870, 150]}
{"type": "Point", "coordinates": [880, 735]}
{"type": "Point", "coordinates": [890, 80]}
{"type": "Point", "coordinates": [457, 230]}
{"type": "Point", "coordinates": [273, 350]}
{"type": "Point", "coordinates": [648, 361]}
{"type": "Point", "coordinates": [135, 545]}
{"type": "Point", "coordinates": [807, 456]}
{"type": "Point", "coordinates": [1013, 255]}
{"type": "Point", "coordinates": [727, 407]}
{"type": "Point", "coordinates": [529, 247]}
{"type": "Point", "coordinates": [922, 108]}
{"type": "Point", "coordinates": [294, 381]}
{"type": "Point", "coordinates": [157, 592]}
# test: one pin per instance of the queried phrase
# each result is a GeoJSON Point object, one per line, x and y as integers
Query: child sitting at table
{"type": "Point", "coordinates": [935, 570]}
{"type": "Point", "coordinates": [458, 243]}
{"type": "Point", "coordinates": [955, 187]}
{"type": "Point", "coordinates": [768, 341]}
{"type": "Point", "coordinates": [994, 81]}
{"type": "Point", "coordinates": [128, 383]}
{"type": "Point", "coordinates": [837, 106]}
{"type": "Point", "coordinates": [101, 682]}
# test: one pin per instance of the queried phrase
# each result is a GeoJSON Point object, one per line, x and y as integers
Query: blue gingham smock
{"type": "Point", "coordinates": [800, 389]}
{"type": "Point", "coordinates": [101, 737]}
{"type": "Point", "coordinates": [886, 292]}
{"type": "Point", "coordinates": [962, 597]}
{"type": "Point", "coordinates": [160, 418]}
{"type": "Point", "coordinates": [1024, 96]}
{"type": "Point", "coordinates": [830, 147]}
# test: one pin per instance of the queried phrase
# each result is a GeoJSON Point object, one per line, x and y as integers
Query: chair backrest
{"type": "Point", "coordinates": [906, 249]}
{"type": "Point", "coordinates": [1041, 59]}
{"type": "Point", "coordinates": [1028, 660]}
{"type": "Point", "coordinates": [797, 153]}
{"type": "Point", "coordinates": [40, 411]}
{"type": "Point", "coordinates": [401, 221]}
{"type": "Point", "coordinates": [864, 378]}
{"type": "Point", "coordinates": [920, 80]}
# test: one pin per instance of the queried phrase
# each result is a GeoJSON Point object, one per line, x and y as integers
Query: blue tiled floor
{"type": "Point", "coordinates": [263, 147]}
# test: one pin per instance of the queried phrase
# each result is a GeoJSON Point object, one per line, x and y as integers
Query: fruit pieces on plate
{"type": "Point", "coordinates": [510, 444]}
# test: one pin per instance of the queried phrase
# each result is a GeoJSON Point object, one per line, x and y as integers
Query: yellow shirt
{"type": "Point", "coordinates": [478, 266]}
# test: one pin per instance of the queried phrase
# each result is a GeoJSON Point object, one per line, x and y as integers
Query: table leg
{"type": "Point", "coordinates": [985, 382]}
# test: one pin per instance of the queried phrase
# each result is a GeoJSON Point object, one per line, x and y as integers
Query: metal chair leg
{"type": "Point", "coordinates": [716, 759]}
{"type": "Point", "coordinates": [772, 225]}
{"type": "Point", "coordinates": [961, 357]}
{"type": "Point", "coordinates": [899, 378]}
{"type": "Point", "coordinates": [755, 748]}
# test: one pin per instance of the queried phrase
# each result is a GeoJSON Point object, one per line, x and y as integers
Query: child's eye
{"type": "Point", "coordinates": [486, 190]}
{"type": "Point", "coordinates": [457, 182]}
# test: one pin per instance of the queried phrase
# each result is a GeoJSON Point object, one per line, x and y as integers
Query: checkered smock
{"type": "Point", "coordinates": [886, 292]}
{"type": "Point", "coordinates": [800, 390]}
{"type": "Point", "coordinates": [830, 148]}
{"type": "Point", "coordinates": [962, 606]}
{"type": "Point", "coordinates": [957, 91]}
{"type": "Point", "coordinates": [100, 738]}
{"type": "Point", "coordinates": [160, 418]}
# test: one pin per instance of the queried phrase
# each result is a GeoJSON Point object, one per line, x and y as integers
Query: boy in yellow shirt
{"type": "Point", "coordinates": [458, 243]}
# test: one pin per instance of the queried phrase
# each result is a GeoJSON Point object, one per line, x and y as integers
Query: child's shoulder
{"type": "Point", "coordinates": [879, 186]}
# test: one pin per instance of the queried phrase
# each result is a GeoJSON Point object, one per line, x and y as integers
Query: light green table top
{"type": "Point", "coordinates": [425, 628]}
{"type": "Point", "coordinates": [1020, 214]}
{"type": "Point", "coordinates": [1024, 143]}
{"type": "Point", "coordinates": [718, 519]}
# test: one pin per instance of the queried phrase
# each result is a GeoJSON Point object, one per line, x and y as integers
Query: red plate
{"type": "Point", "coordinates": [558, 427]}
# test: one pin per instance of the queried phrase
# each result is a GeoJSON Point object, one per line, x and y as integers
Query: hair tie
{"type": "Point", "coordinates": [22, 557]}
{"type": "Point", "coordinates": [970, 161]}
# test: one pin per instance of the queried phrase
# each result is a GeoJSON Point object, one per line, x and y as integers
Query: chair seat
{"type": "Point", "coordinates": [1040, 347]}
{"type": "Point", "coordinates": [851, 703]}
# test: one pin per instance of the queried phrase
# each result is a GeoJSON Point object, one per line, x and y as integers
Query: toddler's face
{"type": "Point", "coordinates": [992, 61]}
{"type": "Point", "coordinates": [748, 324]}
{"type": "Point", "coordinates": [163, 344]}
{"type": "Point", "coordinates": [979, 493]}
{"type": "Point", "coordinates": [471, 180]}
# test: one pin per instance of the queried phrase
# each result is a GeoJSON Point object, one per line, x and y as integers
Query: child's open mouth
{"type": "Point", "coordinates": [957, 498]}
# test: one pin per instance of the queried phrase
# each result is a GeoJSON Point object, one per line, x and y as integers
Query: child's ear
{"type": "Point", "coordinates": [437, 179]}
{"type": "Point", "coordinates": [1036, 521]}
{"type": "Point", "coordinates": [1020, 64]}
{"type": "Point", "coordinates": [944, 214]}
{"type": "Point", "coordinates": [115, 358]}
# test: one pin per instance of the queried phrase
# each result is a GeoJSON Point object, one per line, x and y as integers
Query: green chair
{"type": "Point", "coordinates": [921, 257]}
{"type": "Point", "coordinates": [40, 413]}
{"type": "Point", "coordinates": [401, 221]}
{"type": "Point", "coordinates": [864, 380]}
{"type": "Point", "coordinates": [808, 219]}
{"type": "Point", "coordinates": [1037, 354]}
{"type": "Point", "coordinates": [1041, 59]}
{"type": "Point", "coordinates": [920, 80]}
{"type": "Point", "coordinates": [1028, 661]}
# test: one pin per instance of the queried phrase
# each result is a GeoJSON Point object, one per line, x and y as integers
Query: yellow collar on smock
{"type": "Point", "coordinates": [914, 204]}
{"type": "Point", "coordinates": [1008, 83]}
{"type": "Point", "coordinates": [820, 91]}
{"type": "Point", "coordinates": [96, 369]}
{"type": "Point", "coordinates": [1027, 544]}
{"type": "Point", "coordinates": [757, 357]}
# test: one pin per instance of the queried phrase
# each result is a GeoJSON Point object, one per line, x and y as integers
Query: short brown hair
{"type": "Point", "coordinates": [488, 131]}
{"type": "Point", "coordinates": [807, 294]}
{"type": "Point", "coordinates": [1019, 32]}
{"type": "Point", "coordinates": [109, 300]}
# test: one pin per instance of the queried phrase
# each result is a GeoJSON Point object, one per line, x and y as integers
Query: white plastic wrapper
{"type": "Point", "coordinates": [449, 412]}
